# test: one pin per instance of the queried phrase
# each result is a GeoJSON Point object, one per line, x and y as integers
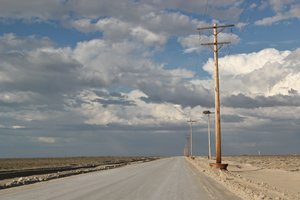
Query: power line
{"type": "Point", "coordinates": [206, 8]}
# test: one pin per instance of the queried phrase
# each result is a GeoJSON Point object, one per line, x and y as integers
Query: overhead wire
{"type": "Point", "coordinates": [206, 8]}
{"type": "Point", "coordinates": [230, 47]}
{"type": "Point", "coordinates": [247, 19]}
{"type": "Point", "coordinates": [198, 71]}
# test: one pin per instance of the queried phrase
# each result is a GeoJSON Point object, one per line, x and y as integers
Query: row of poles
{"type": "Point", "coordinates": [188, 148]}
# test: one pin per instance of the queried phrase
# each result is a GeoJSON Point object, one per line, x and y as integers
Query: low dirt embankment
{"type": "Point", "coordinates": [256, 177]}
{"type": "Point", "coordinates": [16, 172]}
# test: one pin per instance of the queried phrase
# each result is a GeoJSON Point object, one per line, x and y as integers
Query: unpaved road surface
{"type": "Point", "coordinates": [164, 179]}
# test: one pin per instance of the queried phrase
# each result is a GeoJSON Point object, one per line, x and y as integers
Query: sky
{"type": "Point", "coordinates": [122, 77]}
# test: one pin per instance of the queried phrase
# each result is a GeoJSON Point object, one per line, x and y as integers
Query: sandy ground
{"type": "Point", "coordinates": [257, 177]}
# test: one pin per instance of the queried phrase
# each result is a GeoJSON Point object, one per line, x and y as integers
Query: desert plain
{"type": "Point", "coordinates": [257, 177]}
{"type": "Point", "coordinates": [249, 177]}
{"type": "Point", "coordinates": [22, 171]}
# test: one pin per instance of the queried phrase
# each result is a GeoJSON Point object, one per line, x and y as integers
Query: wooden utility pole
{"type": "Point", "coordinates": [216, 47]}
{"type": "Point", "coordinates": [191, 136]}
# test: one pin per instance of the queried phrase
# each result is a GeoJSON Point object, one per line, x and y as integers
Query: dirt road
{"type": "Point", "coordinates": [166, 179]}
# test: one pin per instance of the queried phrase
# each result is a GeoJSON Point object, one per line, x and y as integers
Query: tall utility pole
{"type": "Point", "coordinates": [190, 121]}
{"type": "Point", "coordinates": [216, 47]}
{"type": "Point", "coordinates": [207, 112]}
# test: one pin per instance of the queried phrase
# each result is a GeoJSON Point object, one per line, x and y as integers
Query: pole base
{"type": "Point", "coordinates": [219, 165]}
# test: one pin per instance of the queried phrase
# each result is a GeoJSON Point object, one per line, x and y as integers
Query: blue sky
{"type": "Point", "coordinates": [90, 77]}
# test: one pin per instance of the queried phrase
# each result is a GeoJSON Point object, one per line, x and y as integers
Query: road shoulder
{"type": "Point", "coordinates": [213, 187]}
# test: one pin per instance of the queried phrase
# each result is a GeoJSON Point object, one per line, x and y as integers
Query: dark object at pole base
{"type": "Point", "coordinates": [219, 165]}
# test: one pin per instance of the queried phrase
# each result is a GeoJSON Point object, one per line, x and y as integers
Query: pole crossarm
{"type": "Point", "coordinates": [212, 27]}
{"type": "Point", "coordinates": [213, 43]}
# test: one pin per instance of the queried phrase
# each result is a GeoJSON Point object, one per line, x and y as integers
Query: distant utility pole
{"type": "Point", "coordinates": [216, 47]}
{"type": "Point", "coordinates": [190, 121]}
{"type": "Point", "coordinates": [207, 112]}
{"type": "Point", "coordinates": [186, 147]}
{"type": "Point", "coordinates": [190, 137]}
